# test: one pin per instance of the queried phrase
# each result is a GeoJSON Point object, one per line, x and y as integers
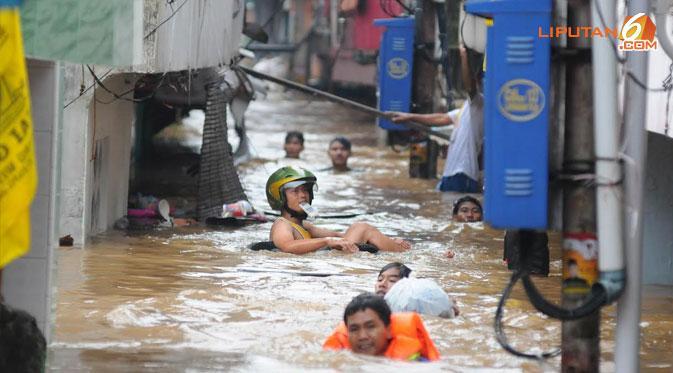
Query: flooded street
{"type": "Point", "coordinates": [196, 299]}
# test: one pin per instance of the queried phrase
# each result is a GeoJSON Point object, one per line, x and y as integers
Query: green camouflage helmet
{"type": "Point", "coordinates": [287, 177]}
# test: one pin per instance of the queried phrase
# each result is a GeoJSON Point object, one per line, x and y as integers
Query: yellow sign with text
{"type": "Point", "coordinates": [18, 175]}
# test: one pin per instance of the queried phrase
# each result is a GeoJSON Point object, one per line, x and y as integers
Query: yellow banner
{"type": "Point", "coordinates": [18, 175]}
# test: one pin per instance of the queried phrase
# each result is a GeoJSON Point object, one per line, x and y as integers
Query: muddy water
{"type": "Point", "coordinates": [193, 299]}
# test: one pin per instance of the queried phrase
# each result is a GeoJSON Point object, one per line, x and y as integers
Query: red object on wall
{"type": "Point", "coordinates": [366, 36]}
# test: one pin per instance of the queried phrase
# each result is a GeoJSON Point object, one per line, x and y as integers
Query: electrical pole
{"type": "Point", "coordinates": [452, 68]}
{"type": "Point", "coordinates": [580, 338]}
{"type": "Point", "coordinates": [423, 153]}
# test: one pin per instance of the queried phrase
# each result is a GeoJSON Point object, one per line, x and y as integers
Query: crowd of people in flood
{"type": "Point", "coordinates": [387, 321]}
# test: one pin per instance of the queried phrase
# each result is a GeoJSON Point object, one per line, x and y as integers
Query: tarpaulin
{"type": "Point", "coordinates": [18, 175]}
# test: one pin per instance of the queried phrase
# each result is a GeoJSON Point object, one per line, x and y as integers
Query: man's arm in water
{"type": "Point", "coordinates": [283, 239]}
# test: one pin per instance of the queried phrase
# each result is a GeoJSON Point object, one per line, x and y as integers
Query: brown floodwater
{"type": "Point", "coordinates": [196, 299]}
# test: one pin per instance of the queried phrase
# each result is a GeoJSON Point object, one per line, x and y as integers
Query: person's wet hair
{"type": "Point", "coordinates": [404, 270]}
{"type": "Point", "coordinates": [296, 135]}
{"type": "Point", "coordinates": [460, 201]}
{"type": "Point", "coordinates": [23, 348]}
{"type": "Point", "coordinates": [343, 141]}
{"type": "Point", "coordinates": [366, 301]}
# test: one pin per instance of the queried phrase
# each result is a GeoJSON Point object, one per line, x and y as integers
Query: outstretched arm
{"type": "Point", "coordinates": [466, 73]}
{"type": "Point", "coordinates": [435, 119]}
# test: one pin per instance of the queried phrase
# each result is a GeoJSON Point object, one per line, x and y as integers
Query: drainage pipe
{"type": "Point", "coordinates": [661, 11]}
{"type": "Point", "coordinates": [627, 333]}
{"type": "Point", "coordinates": [609, 197]}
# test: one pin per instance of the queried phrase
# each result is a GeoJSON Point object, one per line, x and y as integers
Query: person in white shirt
{"type": "Point", "coordinates": [461, 170]}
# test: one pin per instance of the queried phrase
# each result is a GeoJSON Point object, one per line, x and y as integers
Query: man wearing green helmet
{"type": "Point", "coordinates": [291, 187]}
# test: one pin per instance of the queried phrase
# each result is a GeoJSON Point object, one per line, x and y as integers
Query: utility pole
{"type": "Point", "coordinates": [452, 10]}
{"type": "Point", "coordinates": [580, 338]}
{"type": "Point", "coordinates": [423, 154]}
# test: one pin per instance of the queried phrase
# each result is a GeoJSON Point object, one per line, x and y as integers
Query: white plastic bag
{"type": "Point", "coordinates": [420, 295]}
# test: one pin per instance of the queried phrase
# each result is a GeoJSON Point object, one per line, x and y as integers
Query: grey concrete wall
{"type": "Point", "coordinates": [96, 152]}
{"type": "Point", "coordinates": [109, 158]}
{"type": "Point", "coordinates": [76, 144]}
{"type": "Point", "coordinates": [27, 281]}
{"type": "Point", "coordinates": [201, 33]}
{"type": "Point", "coordinates": [658, 211]}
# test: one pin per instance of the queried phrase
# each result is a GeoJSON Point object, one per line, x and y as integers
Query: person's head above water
{"type": "Point", "coordinates": [294, 144]}
{"type": "Point", "coordinates": [467, 209]}
{"type": "Point", "coordinates": [389, 275]}
{"type": "Point", "coordinates": [339, 150]}
{"type": "Point", "coordinates": [367, 319]}
{"type": "Point", "coordinates": [288, 187]}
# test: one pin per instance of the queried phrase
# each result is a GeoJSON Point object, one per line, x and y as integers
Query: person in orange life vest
{"type": "Point", "coordinates": [369, 328]}
{"type": "Point", "coordinates": [290, 187]}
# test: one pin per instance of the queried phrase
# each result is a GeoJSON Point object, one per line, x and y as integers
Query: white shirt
{"type": "Point", "coordinates": [466, 139]}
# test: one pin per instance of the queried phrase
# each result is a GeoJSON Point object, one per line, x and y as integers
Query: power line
{"type": "Point", "coordinates": [170, 3]}
{"type": "Point", "coordinates": [154, 30]}
{"type": "Point", "coordinates": [622, 60]}
{"type": "Point", "coordinates": [82, 92]}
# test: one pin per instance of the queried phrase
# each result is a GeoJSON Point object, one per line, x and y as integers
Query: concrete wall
{"type": "Point", "coordinates": [76, 145]}
{"type": "Point", "coordinates": [196, 34]}
{"type": "Point", "coordinates": [96, 152]}
{"type": "Point", "coordinates": [27, 281]}
{"type": "Point", "coordinates": [108, 161]}
{"type": "Point", "coordinates": [658, 211]}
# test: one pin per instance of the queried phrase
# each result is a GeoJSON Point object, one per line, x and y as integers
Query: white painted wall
{"type": "Point", "coordinates": [658, 211]}
{"type": "Point", "coordinates": [659, 64]}
{"type": "Point", "coordinates": [27, 281]}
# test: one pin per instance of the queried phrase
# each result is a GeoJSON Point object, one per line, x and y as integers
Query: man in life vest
{"type": "Point", "coordinates": [290, 190]}
{"type": "Point", "coordinates": [369, 328]}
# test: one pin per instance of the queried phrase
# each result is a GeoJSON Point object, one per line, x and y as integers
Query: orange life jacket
{"type": "Point", "coordinates": [410, 340]}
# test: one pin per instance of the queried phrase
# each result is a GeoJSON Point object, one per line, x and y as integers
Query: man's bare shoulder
{"type": "Point", "coordinates": [282, 224]}
{"type": "Point", "coordinates": [280, 228]}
